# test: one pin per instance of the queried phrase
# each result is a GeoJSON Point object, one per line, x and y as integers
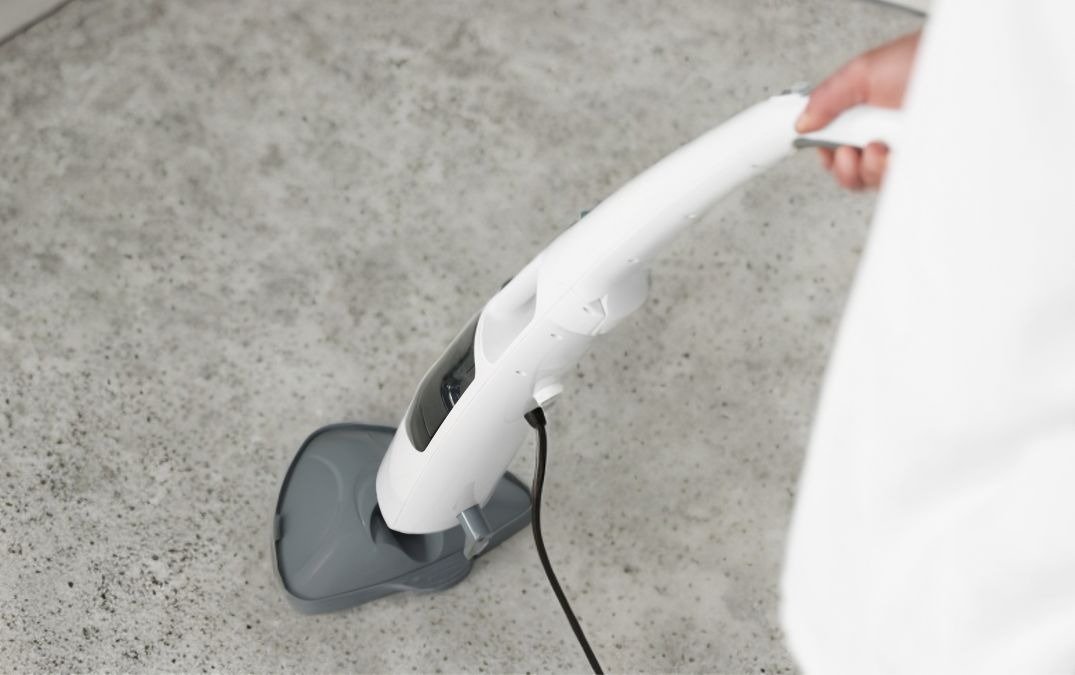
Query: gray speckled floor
{"type": "Point", "coordinates": [226, 224]}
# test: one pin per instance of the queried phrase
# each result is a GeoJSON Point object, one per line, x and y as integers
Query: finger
{"type": "Point", "coordinates": [843, 89]}
{"type": "Point", "coordinates": [826, 155]}
{"type": "Point", "coordinates": [846, 167]}
{"type": "Point", "coordinates": [874, 159]}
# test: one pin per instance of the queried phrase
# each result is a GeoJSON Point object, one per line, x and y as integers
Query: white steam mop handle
{"type": "Point", "coordinates": [599, 259]}
{"type": "Point", "coordinates": [447, 459]}
{"type": "Point", "coordinates": [856, 127]}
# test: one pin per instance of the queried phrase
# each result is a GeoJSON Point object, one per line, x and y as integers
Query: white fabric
{"type": "Point", "coordinates": [934, 530]}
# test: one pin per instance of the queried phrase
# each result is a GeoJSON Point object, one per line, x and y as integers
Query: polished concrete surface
{"type": "Point", "coordinates": [18, 15]}
{"type": "Point", "coordinates": [226, 224]}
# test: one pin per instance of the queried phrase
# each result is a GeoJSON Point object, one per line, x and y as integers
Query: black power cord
{"type": "Point", "coordinates": [536, 418]}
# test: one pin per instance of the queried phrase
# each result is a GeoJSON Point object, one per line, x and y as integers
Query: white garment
{"type": "Point", "coordinates": [934, 530]}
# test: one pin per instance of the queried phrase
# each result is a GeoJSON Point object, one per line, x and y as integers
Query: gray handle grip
{"type": "Point", "coordinates": [857, 127]}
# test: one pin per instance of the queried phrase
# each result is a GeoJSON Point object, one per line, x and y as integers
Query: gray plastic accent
{"type": "Point", "coordinates": [801, 143]}
{"type": "Point", "coordinates": [332, 548]}
{"type": "Point", "coordinates": [476, 531]}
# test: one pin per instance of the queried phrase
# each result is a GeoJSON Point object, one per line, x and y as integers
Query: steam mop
{"type": "Point", "coordinates": [365, 511]}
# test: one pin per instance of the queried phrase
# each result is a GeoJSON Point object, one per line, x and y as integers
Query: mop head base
{"type": "Point", "coordinates": [331, 547]}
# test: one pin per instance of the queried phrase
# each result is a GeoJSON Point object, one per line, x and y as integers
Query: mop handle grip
{"type": "Point", "coordinates": [630, 227]}
{"type": "Point", "coordinates": [857, 127]}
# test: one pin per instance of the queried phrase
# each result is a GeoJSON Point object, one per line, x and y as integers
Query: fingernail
{"type": "Point", "coordinates": [802, 125]}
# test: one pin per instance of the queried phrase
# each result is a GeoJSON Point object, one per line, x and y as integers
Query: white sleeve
{"type": "Point", "coordinates": [934, 528]}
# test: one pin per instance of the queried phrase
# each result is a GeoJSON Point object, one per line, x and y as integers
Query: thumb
{"type": "Point", "coordinates": [843, 89]}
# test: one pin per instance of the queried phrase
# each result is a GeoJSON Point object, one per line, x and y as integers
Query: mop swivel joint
{"type": "Point", "coordinates": [476, 531]}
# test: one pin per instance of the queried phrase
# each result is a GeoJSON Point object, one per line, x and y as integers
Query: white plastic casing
{"type": "Point", "coordinates": [582, 285]}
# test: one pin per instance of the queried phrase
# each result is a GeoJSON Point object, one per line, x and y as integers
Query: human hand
{"type": "Point", "coordinates": [877, 77]}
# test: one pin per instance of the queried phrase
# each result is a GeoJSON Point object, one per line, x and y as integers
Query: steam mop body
{"type": "Point", "coordinates": [442, 474]}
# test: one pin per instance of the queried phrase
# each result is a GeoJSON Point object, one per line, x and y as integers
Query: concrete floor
{"type": "Point", "coordinates": [17, 15]}
{"type": "Point", "coordinates": [226, 224]}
